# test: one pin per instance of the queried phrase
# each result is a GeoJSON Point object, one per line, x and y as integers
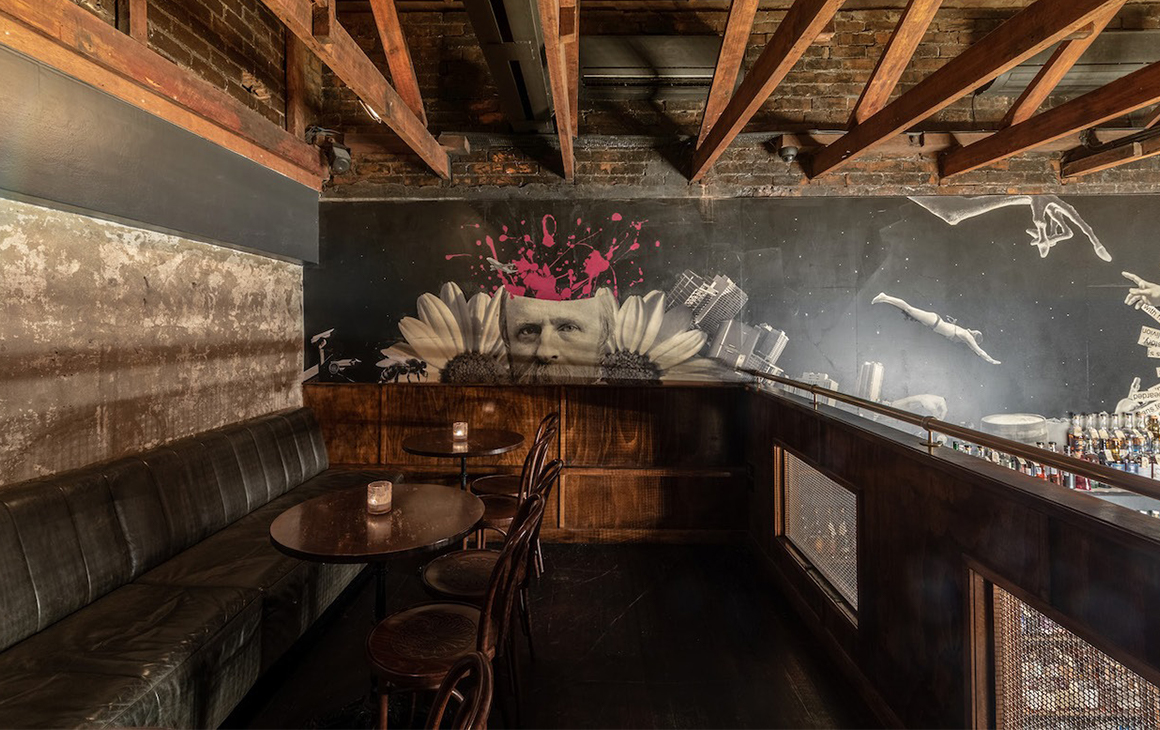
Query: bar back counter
{"type": "Point", "coordinates": [955, 592]}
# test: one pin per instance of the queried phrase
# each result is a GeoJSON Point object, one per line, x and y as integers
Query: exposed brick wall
{"type": "Point", "coordinates": [819, 93]}
{"type": "Point", "coordinates": [236, 45]}
{"type": "Point", "coordinates": [504, 166]}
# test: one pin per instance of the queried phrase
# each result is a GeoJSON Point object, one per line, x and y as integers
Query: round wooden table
{"type": "Point", "coordinates": [336, 527]}
{"type": "Point", "coordinates": [479, 442]}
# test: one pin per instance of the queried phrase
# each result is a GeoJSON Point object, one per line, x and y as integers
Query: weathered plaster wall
{"type": "Point", "coordinates": [114, 339]}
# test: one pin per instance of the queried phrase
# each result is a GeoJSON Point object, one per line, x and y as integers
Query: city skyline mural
{"type": "Point", "coordinates": [1037, 300]}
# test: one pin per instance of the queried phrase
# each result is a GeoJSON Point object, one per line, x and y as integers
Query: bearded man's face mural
{"type": "Point", "coordinates": [550, 341]}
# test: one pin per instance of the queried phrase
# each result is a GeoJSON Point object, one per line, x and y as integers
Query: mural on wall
{"type": "Point", "coordinates": [1053, 219]}
{"type": "Point", "coordinates": [948, 328]}
{"type": "Point", "coordinates": [535, 292]}
{"type": "Point", "coordinates": [547, 259]}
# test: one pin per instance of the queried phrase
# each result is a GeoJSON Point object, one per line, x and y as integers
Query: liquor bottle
{"type": "Point", "coordinates": [1075, 435]}
{"type": "Point", "coordinates": [1137, 433]}
{"type": "Point", "coordinates": [1121, 441]}
{"type": "Point", "coordinates": [1039, 471]}
{"type": "Point", "coordinates": [1092, 448]}
{"type": "Point", "coordinates": [1064, 478]}
{"type": "Point", "coordinates": [1094, 445]}
{"type": "Point", "coordinates": [1107, 445]}
{"type": "Point", "coordinates": [1053, 474]}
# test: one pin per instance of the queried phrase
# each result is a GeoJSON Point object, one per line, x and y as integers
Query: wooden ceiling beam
{"type": "Point", "coordinates": [69, 38]}
{"type": "Point", "coordinates": [348, 62]}
{"type": "Point", "coordinates": [911, 28]}
{"type": "Point", "coordinates": [1132, 149]}
{"type": "Point", "coordinates": [297, 109]}
{"type": "Point", "coordinates": [139, 20]}
{"type": "Point", "coordinates": [570, 37]}
{"type": "Point", "coordinates": [398, 56]}
{"type": "Point", "coordinates": [1136, 90]}
{"type": "Point", "coordinates": [794, 35]}
{"type": "Point", "coordinates": [1020, 37]}
{"type": "Point", "coordinates": [738, 27]}
{"type": "Point", "coordinates": [558, 77]}
{"type": "Point", "coordinates": [1066, 54]}
{"type": "Point", "coordinates": [1154, 119]}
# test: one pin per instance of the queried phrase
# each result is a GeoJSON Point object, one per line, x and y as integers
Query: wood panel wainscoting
{"type": "Point", "coordinates": [935, 530]}
{"type": "Point", "coordinates": [648, 463]}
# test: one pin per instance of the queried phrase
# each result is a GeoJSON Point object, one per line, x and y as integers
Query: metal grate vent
{"type": "Point", "coordinates": [1047, 677]}
{"type": "Point", "coordinates": [821, 520]}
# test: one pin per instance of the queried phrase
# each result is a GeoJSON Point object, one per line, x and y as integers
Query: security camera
{"type": "Point", "coordinates": [338, 157]}
{"type": "Point", "coordinates": [331, 143]}
{"type": "Point", "coordinates": [787, 153]}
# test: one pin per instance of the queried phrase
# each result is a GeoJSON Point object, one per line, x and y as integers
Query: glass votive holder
{"type": "Point", "coordinates": [459, 431]}
{"type": "Point", "coordinates": [379, 497]}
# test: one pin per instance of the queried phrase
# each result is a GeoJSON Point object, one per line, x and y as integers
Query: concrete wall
{"type": "Point", "coordinates": [114, 339]}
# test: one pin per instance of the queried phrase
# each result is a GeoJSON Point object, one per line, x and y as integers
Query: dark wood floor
{"type": "Point", "coordinates": [628, 636]}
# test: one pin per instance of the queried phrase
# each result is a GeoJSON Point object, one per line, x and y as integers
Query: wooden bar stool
{"type": "Point", "coordinates": [508, 485]}
{"type": "Point", "coordinates": [414, 649]}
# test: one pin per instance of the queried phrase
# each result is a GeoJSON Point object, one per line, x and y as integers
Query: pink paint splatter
{"type": "Point", "coordinates": [547, 263]}
{"type": "Point", "coordinates": [549, 236]}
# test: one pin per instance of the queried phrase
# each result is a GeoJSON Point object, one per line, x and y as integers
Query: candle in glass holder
{"type": "Point", "coordinates": [379, 497]}
{"type": "Point", "coordinates": [459, 430]}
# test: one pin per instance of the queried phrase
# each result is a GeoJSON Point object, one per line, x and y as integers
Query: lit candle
{"type": "Point", "coordinates": [459, 430]}
{"type": "Point", "coordinates": [379, 497]}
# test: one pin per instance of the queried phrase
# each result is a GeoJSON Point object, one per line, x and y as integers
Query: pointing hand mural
{"type": "Point", "coordinates": [1052, 219]}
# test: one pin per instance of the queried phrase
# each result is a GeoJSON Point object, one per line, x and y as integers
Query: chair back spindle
{"type": "Point", "coordinates": [499, 599]}
{"type": "Point", "coordinates": [475, 702]}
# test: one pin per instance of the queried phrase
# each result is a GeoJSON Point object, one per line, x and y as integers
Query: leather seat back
{"type": "Point", "coordinates": [61, 547]}
{"type": "Point", "coordinates": [68, 539]}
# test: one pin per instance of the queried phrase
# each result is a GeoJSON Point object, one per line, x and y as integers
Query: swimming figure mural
{"type": "Point", "coordinates": [948, 328]}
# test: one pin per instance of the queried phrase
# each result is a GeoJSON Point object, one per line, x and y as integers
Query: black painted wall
{"type": "Point", "coordinates": [69, 145]}
{"type": "Point", "coordinates": [811, 267]}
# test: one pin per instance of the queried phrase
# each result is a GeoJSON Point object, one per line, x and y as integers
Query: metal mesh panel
{"type": "Point", "coordinates": [821, 521]}
{"type": "Point", "coordinates": [1047, 677]}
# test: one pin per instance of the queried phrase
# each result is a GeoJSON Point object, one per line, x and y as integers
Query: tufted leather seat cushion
{"type": "Point", "coordinates": [295, 592]}
{"type": "Point", "coordinates": [199, 648]}
{"type": "Point", "coordinates": [145, 591]}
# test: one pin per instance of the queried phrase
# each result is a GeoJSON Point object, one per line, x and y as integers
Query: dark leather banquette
{"type": "Point", "coordinates": [145, 591]}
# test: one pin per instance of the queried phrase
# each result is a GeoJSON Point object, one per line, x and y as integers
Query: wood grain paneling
{"type": "Point", "coordinates": [630, 501]}
{"type": "Point", "coordinates": [409, 409]}
{"type": "Point", "coordinates": [349, 418]}
{"type": "Point", "coordinates": [655, 464]}
{"type": "Point", "coordinates": [653, 426]}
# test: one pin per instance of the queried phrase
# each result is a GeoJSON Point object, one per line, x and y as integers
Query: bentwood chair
{"type": "Point", "coordinates": [474, 701]}
{"type": "Point", "coordinates": [499, 509]}
{"type": "Point", "coordinates": [508, 485]}
{"type": "Point", "coordinates": [413, 650]}
{"type": "Point", "coordinates": [463, 575]}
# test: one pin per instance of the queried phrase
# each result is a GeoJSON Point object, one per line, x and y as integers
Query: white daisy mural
{"type": "Point", "coordinates": [504, 338]}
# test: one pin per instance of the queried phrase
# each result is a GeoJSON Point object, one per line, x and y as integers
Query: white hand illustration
{"type": "Point", "coordinates": [1145, 292]}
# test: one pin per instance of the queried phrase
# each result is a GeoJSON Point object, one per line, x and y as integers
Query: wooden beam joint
{"type": "Point", "coordinates": [323, 20]}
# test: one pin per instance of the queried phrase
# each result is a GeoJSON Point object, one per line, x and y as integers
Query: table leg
{"type": "Point", "coordinates": [380, 569]}
{"type": "Point", "coordinates": [463, 473]}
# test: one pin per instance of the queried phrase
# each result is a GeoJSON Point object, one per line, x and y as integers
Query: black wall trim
{"type": "Point", "coordinates": [72, 146]}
